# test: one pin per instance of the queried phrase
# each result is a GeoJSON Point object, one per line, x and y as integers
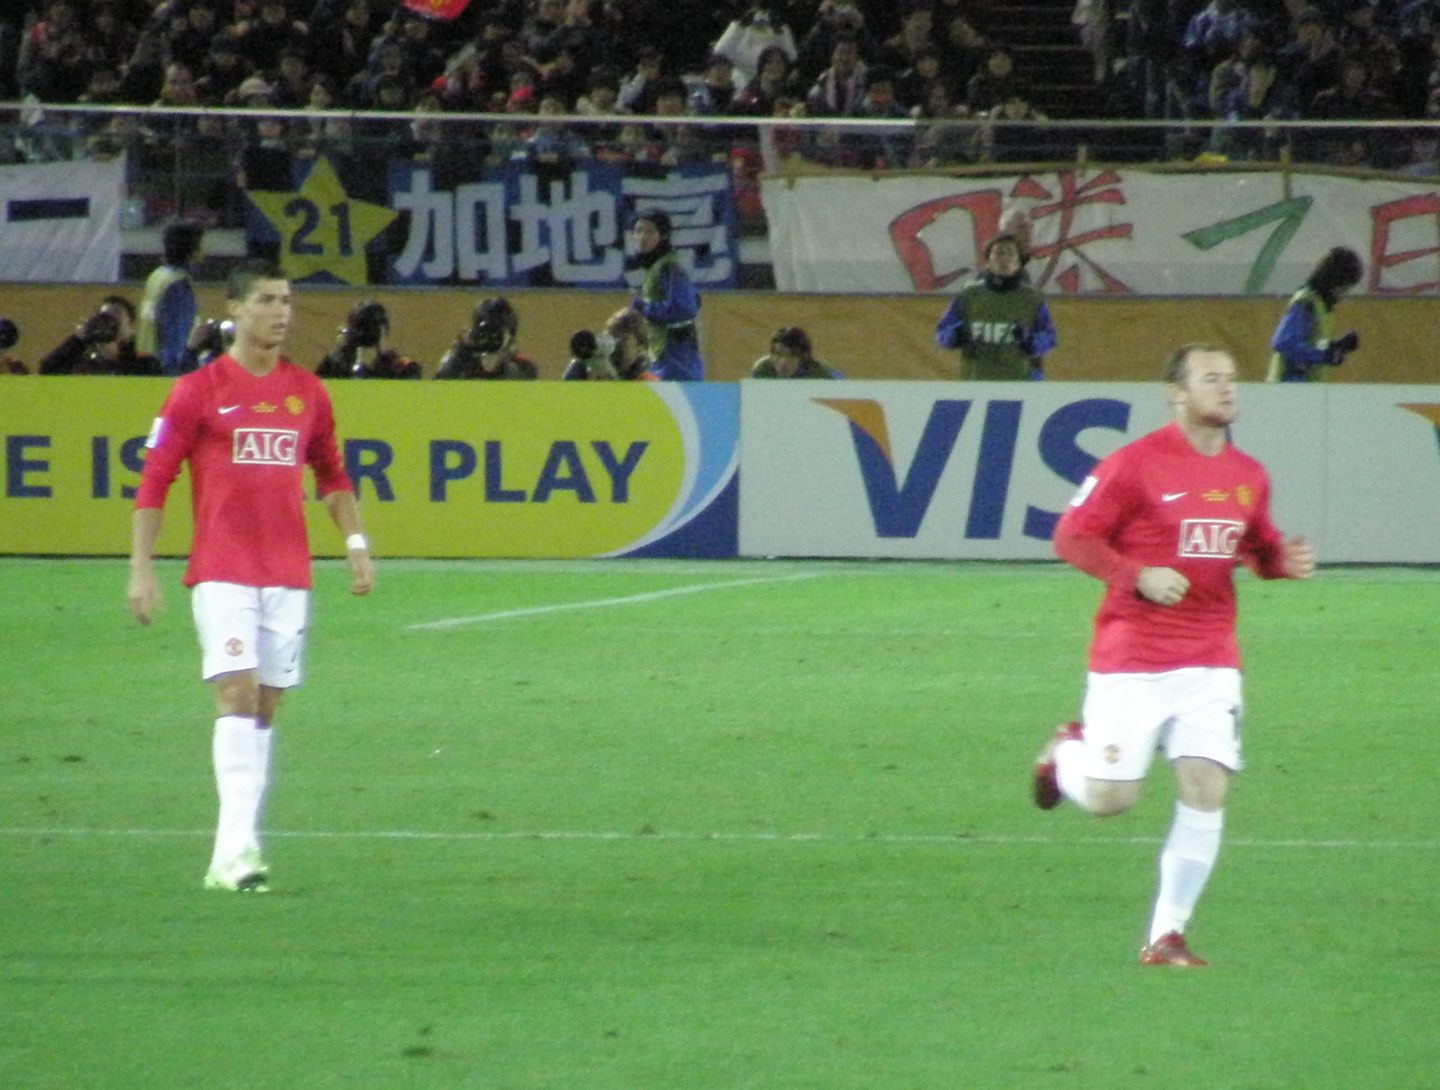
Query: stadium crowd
{"type": "Point", "coordinates": [939, 60]}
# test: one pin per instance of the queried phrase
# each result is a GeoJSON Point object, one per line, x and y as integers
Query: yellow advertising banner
{"type": "Point", "coordinates": [543, 469]}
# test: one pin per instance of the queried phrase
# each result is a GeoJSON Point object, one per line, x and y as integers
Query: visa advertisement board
{"type": "Point", "coordinates": [440, 470]}
{"type": "Point", "coordinates": [983, 470]}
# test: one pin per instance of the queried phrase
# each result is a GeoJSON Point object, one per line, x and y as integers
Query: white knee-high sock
{"type": "Point", "coordinates": [239, 782]}
{"type": "Point", "coordinates": [1186, 861]}
{"type": "Point", "coordinates": [264, 737]}
{"type": "Point", "coordinates": [1070, 772]}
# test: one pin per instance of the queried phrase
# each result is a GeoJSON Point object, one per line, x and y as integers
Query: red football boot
{"type": "Point", "coordinates": [1170, 949]}
{"type": "Point", "coordinates": [1047, 788]}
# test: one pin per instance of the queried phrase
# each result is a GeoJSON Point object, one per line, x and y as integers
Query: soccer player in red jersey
{"type": "Point", "coordinates": [248, 423]}
{"type": "Point", "coordinates": [1163, 522]}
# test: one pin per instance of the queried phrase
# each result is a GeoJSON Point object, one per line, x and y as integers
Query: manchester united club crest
{"type": "Point", "coordinates": [234, 647]}
{"type": "Point", "coordinates": [1245, 496]}
{"type": "Point", "coordinates": [295, 405]}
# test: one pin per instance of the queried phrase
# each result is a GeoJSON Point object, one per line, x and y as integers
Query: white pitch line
{"type": "Point", "coordinates": [601, 603]}
{"type": "Point", "coordinates": [614, 836]}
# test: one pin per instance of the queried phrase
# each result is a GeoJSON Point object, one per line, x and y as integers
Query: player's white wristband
{"type": "Point", "coordinates": [356, 541]}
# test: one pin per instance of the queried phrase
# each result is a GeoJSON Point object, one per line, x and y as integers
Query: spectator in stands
{"type": "Point", "coordinates": [1305, 347]}
{"type": "Point", "coordinates": [1210, 36]}
{"type": "Point", "coordinates": [1229, 73]}
{"type": "Point", "coordinates": [601, 98]}
{"type": "Point", "coordinates": [1010, 133]}
{"type": "Point", "coordinates": [1352, 99]}
{"type": "Point", "coordinates": [637, 90]}
{"type": "Point", "coordinates": [841, 87]}
{"type": "Point", "coordinates": [103, 344]}
{"type": "Point", "coordinates": [963, 51]}
{"type": "Point", "coordinates": [386, 63]}
{"type": "Point", "coordinates": [52, 63]}
{"type": "Point", "coordinates": [773, 84]}
{"type": "Point", "coordinates": [912, 85]}
{"type": "Point", "coordinates": [262, 40]}
{"type": "Point", "coordinates": [916, 36]}
{"type": "Point", "coordinates": [109, 38]}
{"type": "Point", "coordinates": [834, 19]}
{"type": "Point", "coordinates": [545, 19]}
{"type": "Point", "coordinates": [224, 69]}
{"type": "Point", "coordinates": [576, 46]}
{"type": "Point", "coordinates": [791, 356]}
{"type": "Point", "coordinates": [189, 36]}
{"type": "Point", "coordinates": [1261, 95]}
{"type": "Point", "coordinates": [293, 78]}
{"type": "Point", "coordinates": [668, 302]}
{"type": "Point", "coordinates": [1310, 59]}
{"type": "Point", "coordinates": [712, 93]}
{"type": "Point", "coordinates": [360, 350]}
{"type": "Point", "coordinates": [745, 39]}
{"type": "Point", "coordinates": [553, 141]}
{"type": "Point", "coordinates": [884, 148]}
{"type": "Point", "coordinates": [342, 44]}
{"type": "Point", "coordinates": [167, 306]}
{"type": "Point", "coordinates": [487, 349]}
{"type": "Point", "coordinates": [994, 82]}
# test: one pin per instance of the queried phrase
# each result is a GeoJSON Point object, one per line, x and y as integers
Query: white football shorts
{"type": "Point", "coordinates": [1194, 712]}
{"type": "Point", "coordinates": [251, 628]}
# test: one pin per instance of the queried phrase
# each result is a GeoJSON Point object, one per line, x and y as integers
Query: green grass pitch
{"type": "Point", "coordinates": [705, 826]}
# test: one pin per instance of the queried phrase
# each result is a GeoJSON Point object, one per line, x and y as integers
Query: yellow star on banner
{"type": "Point", "coordinates": [322, 229]}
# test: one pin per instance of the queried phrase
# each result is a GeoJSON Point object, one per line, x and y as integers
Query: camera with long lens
{"type": "Point", "coordinates": [102, 327]}
{"type": "Point", "coordinates": [493, 322]}
{"type": "Point", "coordinates": [217, 336]}
{"type": "Point", "coordinates": [365, 325]}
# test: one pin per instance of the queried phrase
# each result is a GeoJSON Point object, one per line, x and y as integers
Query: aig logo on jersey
{"type": "Point", "coordinates": [266, 446]}
{"type": "Point", "coordinates": [1210, 539]}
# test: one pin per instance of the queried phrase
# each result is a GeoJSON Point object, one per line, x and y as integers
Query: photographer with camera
{"type": "Point", "coordinates": [359, 351]}
{"type": "Point", "coordinates": [617, 353]}
{"type": "Point", "coordinates": [102, 344]}
{"type": "Point", "coordinates": [9, 335]}
{"type": "Point", "coordinates": [1304, 343]}
{"type": "Point", "coordinates": [791, 356]}
{"type": "Point", "coordinates": [167, 327]}
{"type": "Point", "coordinates": [667, 301]}
{"type": "Point", "coordinates": [487, 350]}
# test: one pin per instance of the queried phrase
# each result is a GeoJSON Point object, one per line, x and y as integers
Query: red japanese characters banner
{"type": "Point", "coordinates": [1104, 232]}
{"type": "Point", "coordinates": [444, 10]}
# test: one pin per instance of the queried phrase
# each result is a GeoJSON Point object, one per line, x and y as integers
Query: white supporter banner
{"type": "Point", "coordinates": [1103, 232]}
{"type": "Point", "coordinates": [983, 470]}
{"type": "Point", "coordinates": [60, 222]}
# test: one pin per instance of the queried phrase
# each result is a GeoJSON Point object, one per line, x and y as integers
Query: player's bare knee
{"type": "Point", "coordinates": [237, 693]}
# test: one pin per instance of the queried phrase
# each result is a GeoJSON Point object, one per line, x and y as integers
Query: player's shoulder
{"type": "Point", "coordinates": [302, 381]}
{"type": "Point", "coordinates": [1246, 463]}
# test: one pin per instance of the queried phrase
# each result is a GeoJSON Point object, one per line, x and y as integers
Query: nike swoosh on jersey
{"type": "Point", "coordinates": [1170, 497]}
{"type": "Point", "coordinates": [228, 409]}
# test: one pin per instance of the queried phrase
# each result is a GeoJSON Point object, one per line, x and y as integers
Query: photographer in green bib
{"type": "Point", "coordinates": [999, 321]}
{"type": "Point", "coordinates": [1304, 343]}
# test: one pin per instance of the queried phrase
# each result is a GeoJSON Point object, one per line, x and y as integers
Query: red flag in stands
{"type": "Point", "coordinates": [437, 9]}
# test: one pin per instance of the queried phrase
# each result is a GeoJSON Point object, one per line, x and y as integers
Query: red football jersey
{"type": "Point", "coordinates": [248, 441]}
{"type": "Point", "coordinates": [1158, 502]}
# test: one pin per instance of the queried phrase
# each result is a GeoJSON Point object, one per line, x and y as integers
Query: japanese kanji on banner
{"type": "Point", "coordinates": [1104, 232]}
{"type": "Point", "coordinates": [353, 221]}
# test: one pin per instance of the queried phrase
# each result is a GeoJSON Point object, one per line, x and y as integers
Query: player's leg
{"type": "Point", "coordinates": [1203, 746]}
{"type": "Point", "coordinates": [284, 618]}
{"type": "Point", "coordinates": [227, 618]}
{"type": "Point", "coordinates": [1101, 766]}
